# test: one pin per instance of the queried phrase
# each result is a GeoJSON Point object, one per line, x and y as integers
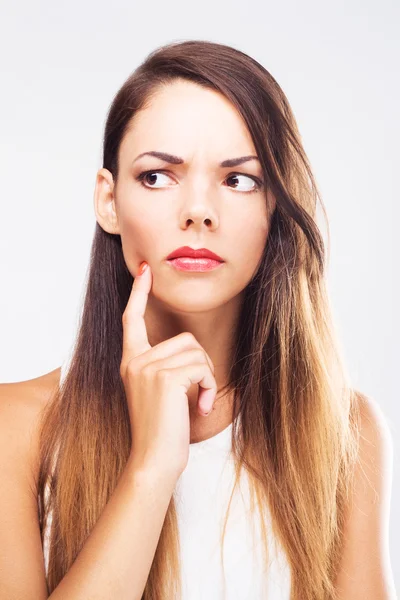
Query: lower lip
{"type": "Point", "coordinates": [195, 264]}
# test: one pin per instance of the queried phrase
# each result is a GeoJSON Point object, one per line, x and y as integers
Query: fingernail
{"type": "Point", "coordinates": [142, 268]}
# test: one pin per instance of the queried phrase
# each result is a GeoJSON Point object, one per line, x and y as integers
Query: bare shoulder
{"type": "Point", "coordinates": [376, 431]}
{"type": "Point", "coordinates": [365, 569]}
{"type": "Point", "coordinates": [21, 558]}
{"type": "Point", "coordinates": [375, 457]}
{"type": "Point", "coordinates": [21, 405]}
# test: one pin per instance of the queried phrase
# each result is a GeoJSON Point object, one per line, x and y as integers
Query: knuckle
{"type": "Point", "coordinates": [131, 368]}
{"type": "Point", "coordinates": [189, 337]}
{"type": "Point", "coordinates": [147, 371]}
{"type": "Point", "coordinates": [163, 375]}
{"type": "Point", "coordinates": [200, 355]}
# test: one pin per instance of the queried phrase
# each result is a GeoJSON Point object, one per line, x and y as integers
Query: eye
{"type": "Point", "coordinates": [146, 177]}
{"type": "Point", "coordinates": [257, 183]}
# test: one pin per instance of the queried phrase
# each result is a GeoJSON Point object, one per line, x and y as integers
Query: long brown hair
{"type": "Point", "coordinates": [297, 437]}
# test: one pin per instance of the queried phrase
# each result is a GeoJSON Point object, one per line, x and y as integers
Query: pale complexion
{"type": "Point", "coordinates": [196, 203]}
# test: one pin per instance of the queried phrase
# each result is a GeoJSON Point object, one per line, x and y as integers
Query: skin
{"type": "Point", "coordinates": [365, 572]}
{"type": "Point", "coordinates": [196, 211]}
{"type": "Point", "coordinates": [199, 204]}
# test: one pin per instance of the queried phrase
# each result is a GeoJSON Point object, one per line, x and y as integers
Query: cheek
{"type": "Point", "coordinates": [140, 234]}
{"type": "Point", "coordinates": [248, 250]}
{"type": "Point", "coordinates": [250, 232]}
{"type": "Point", "coordinates": [140, 228]}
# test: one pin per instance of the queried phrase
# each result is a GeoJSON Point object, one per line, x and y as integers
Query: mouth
{"type": "Point", "coordinates": [187, 263]}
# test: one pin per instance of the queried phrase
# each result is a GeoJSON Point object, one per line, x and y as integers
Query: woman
{"type": "Point", "coordinates": [218, 359]}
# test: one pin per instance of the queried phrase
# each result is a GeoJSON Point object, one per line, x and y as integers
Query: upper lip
{"type": "Point", "coordinates": [193, 253]}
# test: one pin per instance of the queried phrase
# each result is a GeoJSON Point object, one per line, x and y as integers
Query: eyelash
{"type": "Point", "coordinates": [259, 183]}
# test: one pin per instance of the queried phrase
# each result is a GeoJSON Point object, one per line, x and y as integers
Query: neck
{"type": "Point", "coordinates": [214, 330]}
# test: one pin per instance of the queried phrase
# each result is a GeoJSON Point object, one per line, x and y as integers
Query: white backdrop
{"type": "Point", "coordinates": [61, 65]}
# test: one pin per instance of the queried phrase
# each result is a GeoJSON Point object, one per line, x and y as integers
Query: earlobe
{"type": "Point", "coordinates": [104, 202]}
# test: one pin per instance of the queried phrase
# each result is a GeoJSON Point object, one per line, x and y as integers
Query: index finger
{"type": "Point", "coordinates": [135, 340]}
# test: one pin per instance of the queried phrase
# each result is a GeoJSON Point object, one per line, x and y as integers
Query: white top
{"type": "Point", "coordinates": [201, 495]}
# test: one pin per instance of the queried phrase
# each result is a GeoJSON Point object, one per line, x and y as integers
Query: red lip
{"type": "Point", "coordinates": [200, 253]}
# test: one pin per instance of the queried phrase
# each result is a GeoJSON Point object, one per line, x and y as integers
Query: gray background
{"type": "Point", "coordinates": [61, 65]}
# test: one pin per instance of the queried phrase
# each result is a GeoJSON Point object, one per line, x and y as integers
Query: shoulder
{"type": "Point", "coordinates": [376, 441]}
{"type": "Point", "coordinates": [365, 564]}
{"type": "Point", "coordinates": [375, 456]}
{"type": "Point", "coordinates": [21, 405]}
{"type": "Point", "coordinates": [376, 431]}
{"type": "Point", "coordinates": [21, 557]}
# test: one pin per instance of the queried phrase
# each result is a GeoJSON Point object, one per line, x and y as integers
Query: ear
{"type": "Point", "coordinates": [104, 202]}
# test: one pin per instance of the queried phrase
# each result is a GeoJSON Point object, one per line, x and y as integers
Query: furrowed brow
{"type": "Point", "coordinates": [176, 160]}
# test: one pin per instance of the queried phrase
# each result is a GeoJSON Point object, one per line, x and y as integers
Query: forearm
{"type": "Point", "coordinates": [116, 558]}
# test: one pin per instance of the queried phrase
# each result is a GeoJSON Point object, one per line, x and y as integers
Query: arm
{"type": "Point", "coordinates": [22, 575]}
{"type": "Point", "coordinates": [365, 571]}
{"type": "Point", "coordinates": [115, 560]}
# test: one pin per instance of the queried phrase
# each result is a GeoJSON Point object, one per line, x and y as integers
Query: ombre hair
{"type": "Point", "coordinates": [298, 433]}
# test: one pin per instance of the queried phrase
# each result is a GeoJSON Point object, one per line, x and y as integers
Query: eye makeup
{"type": "Point", "coordinates": [259, 183]}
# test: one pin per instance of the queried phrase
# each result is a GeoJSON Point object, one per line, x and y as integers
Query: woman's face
{"type": "Point", "coordinates": [196, 202]}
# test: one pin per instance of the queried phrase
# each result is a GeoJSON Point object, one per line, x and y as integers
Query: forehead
{"type": "Point", "coordinates": [188, 118]}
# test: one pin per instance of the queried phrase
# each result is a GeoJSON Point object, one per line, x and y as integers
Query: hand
{"type": "Point", "coordinates": [156, 381]}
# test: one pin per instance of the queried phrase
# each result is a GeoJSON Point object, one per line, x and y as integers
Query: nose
{"type": "Point", "coordinates": [198, 214]}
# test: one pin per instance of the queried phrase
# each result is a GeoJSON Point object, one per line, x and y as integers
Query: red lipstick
{"type": "Point", "coordinates": [192, 253]}
{"type": "Point", "coordinates": [189, 259]}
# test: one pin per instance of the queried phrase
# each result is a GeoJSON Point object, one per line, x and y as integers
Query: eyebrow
{"type": "Point", "coordinates": [176, 160]}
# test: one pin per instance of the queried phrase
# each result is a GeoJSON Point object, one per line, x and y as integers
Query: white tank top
{"type": "Point", "coordinates": [201, 496]}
